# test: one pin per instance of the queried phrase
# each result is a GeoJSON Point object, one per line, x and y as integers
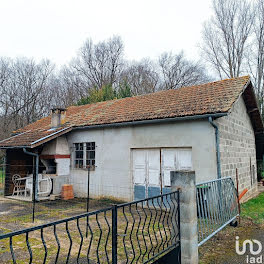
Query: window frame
{"type": "Point", "coordinates": [87, 155]}
{"type": "Point", "coordinates": [78, 160]}
{"type": "Point", "coordinates": [89, 149]}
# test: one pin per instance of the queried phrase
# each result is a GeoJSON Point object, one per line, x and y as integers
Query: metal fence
{"type": "Point", "coordinates": [2, 177]}
{"type": "Point", "coordinates": [135, 232]}
{"type": "Point", "coordinates": [217, 206]}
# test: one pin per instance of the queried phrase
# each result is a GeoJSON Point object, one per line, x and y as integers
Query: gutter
{"type": "Point", "coordinates": [41, 139]}
{"type": "Point", "coordinates": [35, 191]}
{"type": "Point", "coordinates": [123, 124]}
{"type": "Point", "coordinates": [217, 146]}
{"type": "Point", "coordinates": [152, 121]}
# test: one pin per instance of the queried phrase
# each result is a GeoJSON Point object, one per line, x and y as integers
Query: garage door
{"type": "Point", "coordinates": [151, 169]}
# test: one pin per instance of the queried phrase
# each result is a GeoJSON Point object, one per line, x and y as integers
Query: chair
{"type": "Point", "coordinates": [44, 185]}
{"type": "Point", "coordinates": [18, 188]}
{"type": "Point", "coordinates": [29, 186]}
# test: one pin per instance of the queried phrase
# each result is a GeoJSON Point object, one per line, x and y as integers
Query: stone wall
{"type": "Point", "coordinates": [238, 149]}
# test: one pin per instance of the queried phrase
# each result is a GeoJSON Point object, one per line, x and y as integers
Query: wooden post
{"type": "Point", "coordinates": [238, 195]}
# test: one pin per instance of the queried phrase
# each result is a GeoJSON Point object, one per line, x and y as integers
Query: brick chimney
{"type": "Point", "coordinates": [57, 117]}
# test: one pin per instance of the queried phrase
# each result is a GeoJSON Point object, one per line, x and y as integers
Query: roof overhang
{"type": "Point", "coordinates": [34, 143]}
{"type": "Point", "coordinates": [252, 108]}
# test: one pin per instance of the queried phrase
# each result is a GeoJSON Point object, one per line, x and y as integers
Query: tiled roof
{"type": "Point", "coordinates": [210, 98]}
{"type": "Point", "coordinates": [32, 138]}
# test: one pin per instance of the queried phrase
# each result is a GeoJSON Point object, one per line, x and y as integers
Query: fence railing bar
{"type": "Point", "coordinates": [44, 245]}
{"type": "Point", "coordinates": [144, 200]}
{"type": "Point", "coordinates": [202, 212]}
{"type": "Point", "coordinates": [12, 250]}
{"type": "Point", "coordinates": [137, 232]}
{"type": "Point", "coordinates": [215, 180]}
{"type": "Point", "coordinates": [154, 222]}
{"type": "Point", "coordinates": [29, 249]}
{"type": "Point", "coordinates": [143, 233]}
{"type": "Point", "coordinates": [220, 203]}
{"type": "Point", "coordinates": [99, 239]}
{"type": "Point", "coordinates": [148, 230]}
{"type": "Point", "coordinates": [179, 217]}
{"type": "Point", "coordinates": [107, 237]}
{"type": "Point", "coordinates": [114, 235]}
{"type": "Point", "coordinates": [70, 239]}
{"type": "Point", "coordinates": [81, 242]}
{"type": "Point", "coordinates": [209, 205]}
{"type": "Point", "coordinates": [131, 233]}
{"type": "Point", "coordinates": [168, 213]}
{"type": "Point", "coordinates": [164, 223]}
{"type": "Point", "coordinates": [174, 216]}
{"type": "Point", "coordinates": [58, 243]}
{"type": "Point", "coordinates": [160, 216]}
{"type": "Point", "coordinates": [213, 207]}
{"type": "Point", "coordinates": [125, 233]}
{"type": "Point", "coordinates": [200, 230]}
{"type": "Point", "coordinates": [90, 240]}
{"type": "Point", "coordinates": [216, 231]}
{"type": "Point", "coordinates": [215, 204]}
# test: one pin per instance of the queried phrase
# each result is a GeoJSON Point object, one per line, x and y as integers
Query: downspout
{"type": "Point", "coordinates": [37, 167]}
{"type": "Point", "coordinates": [217, 147]}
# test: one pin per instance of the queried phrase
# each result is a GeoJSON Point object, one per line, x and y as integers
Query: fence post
{"type": "Point", "coordinates": [185, 181]}
{"type": "Point", "coordinates": [114, 235]}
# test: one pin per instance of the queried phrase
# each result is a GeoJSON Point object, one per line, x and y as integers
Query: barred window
{"type": "Point", "coordinates": [78, 155]}
{"type": "Point", "coordinates": [84, 155]}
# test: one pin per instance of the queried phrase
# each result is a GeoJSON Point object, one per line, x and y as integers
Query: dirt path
{"type": "Point", "coordinates": [221, 248]}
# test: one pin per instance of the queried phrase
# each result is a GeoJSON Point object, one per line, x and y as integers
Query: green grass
{"type": "Point", "coordinates": [254, 209]}
{"type": "Point", "coordinates": [2, 178]}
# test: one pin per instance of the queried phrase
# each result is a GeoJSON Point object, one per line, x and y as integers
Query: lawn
{"type": "Point", "coordinates": [254, 209]}
{"type": "Point", "coordinates": [2, 179]}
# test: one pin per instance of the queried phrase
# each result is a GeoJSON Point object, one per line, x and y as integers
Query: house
{"type": "Point", "coordinates": [132, 144]}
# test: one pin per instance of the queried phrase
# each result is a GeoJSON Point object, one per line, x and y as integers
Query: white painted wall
{"type": "Point", "coordinates": [59, 146]}
{"type": "Point", "coordinates": [112, 175]}
{"type": "Point", "coordinates": [56, 146]}
{"type": "Point", "coordinates": [63, 166]}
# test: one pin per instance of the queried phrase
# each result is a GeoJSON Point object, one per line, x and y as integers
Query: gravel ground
{"type": "Point", "coordinates": [221, 248]}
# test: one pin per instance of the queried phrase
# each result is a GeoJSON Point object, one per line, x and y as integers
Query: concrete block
{"type": "Point", "coordinates": [185, 180]}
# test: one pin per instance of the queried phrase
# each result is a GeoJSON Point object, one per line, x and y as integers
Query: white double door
{"type": "Point", "coordinates": [151, 167]}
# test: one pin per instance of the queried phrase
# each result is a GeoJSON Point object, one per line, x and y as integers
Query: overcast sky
{"type": "Point", "coordinates": [56, 29]}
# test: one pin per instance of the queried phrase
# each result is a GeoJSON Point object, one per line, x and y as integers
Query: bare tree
{"type": "Point", "coordinates": [226, 35]}
{"type": "Point", "coordinates": [177, 71]}
{"type": "Point", "coordinates": [4, 98]}
{"type": "Point", "coordinates": [70, 86]}
{"type": "Point", "coordinates": [23, 89]}
{"type": "Point", "coordinates": [29, 81]}
{"type": "Point", "coordinates": [142, 77]}
{"type": "Point", "coordinates": [100, 64]}
{"type": "Point", "coordinates": [255, 56]}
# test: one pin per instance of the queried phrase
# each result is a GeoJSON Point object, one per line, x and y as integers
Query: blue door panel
{"type": "Point", "coordinates": [139, 192]}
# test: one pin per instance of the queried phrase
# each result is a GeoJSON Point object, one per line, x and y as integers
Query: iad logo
{"type": "Point", "coordinates": [253, 251]}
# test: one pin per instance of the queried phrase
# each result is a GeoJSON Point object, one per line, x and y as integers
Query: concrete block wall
{"type": "Point", "coordinates": [237, 147]}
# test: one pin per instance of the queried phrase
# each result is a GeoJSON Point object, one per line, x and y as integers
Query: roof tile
{"type": "Point", "coordinates": [214, 97]}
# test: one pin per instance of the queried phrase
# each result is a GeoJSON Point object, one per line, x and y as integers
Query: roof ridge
{"type": "Point", "coordinates": [161, 91]}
